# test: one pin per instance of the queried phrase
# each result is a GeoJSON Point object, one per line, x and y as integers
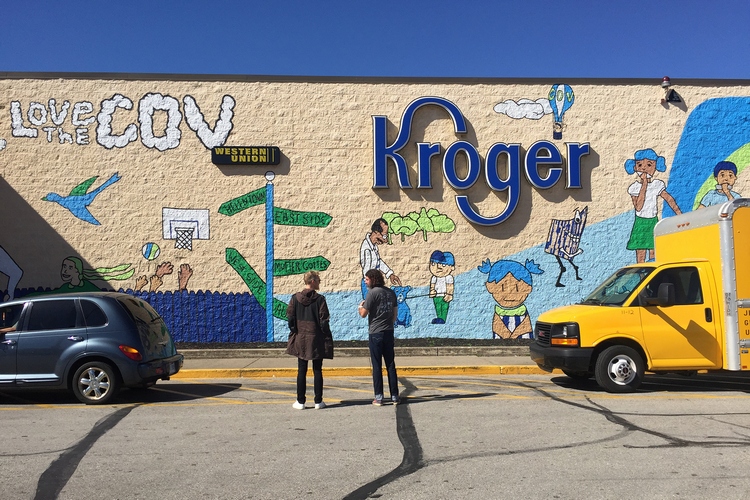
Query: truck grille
{"type": "Point", "coordinates": [542, 333]}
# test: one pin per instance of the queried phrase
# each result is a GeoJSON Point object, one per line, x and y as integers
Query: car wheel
{"type": "Point", "coordinates": [619, 369]}
{"type": "Point", "coordinates": [578, 375]}
{"type": "Point", "coordinates": [95, 383]}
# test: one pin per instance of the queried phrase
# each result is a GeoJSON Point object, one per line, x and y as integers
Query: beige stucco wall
{"type": "Point", "coordinates": [324, 130]}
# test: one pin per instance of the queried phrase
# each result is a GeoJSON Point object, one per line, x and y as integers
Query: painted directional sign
{"type": "Point", "coordinates": [286, 217]}
{"type": "Point", "coordinates": [253, 281]}
{"type": "Point", "coordinates": [263, 292]}
{"type": "Point", "coordinates": [287, 267]}
{"type": "Point", "coordinates": [237, 205]}
{"type": "Point", "coordinates": [281, 216]}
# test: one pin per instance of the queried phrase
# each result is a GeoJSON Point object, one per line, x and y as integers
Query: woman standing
{"type": "Point", "coordinates": [310, 337]}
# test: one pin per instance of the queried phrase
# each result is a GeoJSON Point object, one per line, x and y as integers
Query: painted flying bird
{"type": "Point", "coordinates": [79, 198]}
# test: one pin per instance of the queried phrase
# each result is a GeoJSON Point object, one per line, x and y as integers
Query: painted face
{"type": "Point", "coordinates": [726, 177]}
{"type": "Point", "coordinates": [69, 273]}
{"type": "Point", "coordinates": [379, 238]}
{"type": "Point", "coordinates": [509, 292]}
{"type": "Point", "coordinates": [440, 270]}
{"type": "Point", "coordinates": [645, 166]}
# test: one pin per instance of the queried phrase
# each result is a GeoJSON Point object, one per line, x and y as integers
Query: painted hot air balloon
{"type": "Point", "coordinates": [560, 99]}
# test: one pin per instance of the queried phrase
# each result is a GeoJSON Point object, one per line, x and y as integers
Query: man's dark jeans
{"type": "Point", "coordinates": [382, 348]}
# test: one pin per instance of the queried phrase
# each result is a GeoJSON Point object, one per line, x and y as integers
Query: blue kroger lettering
{"type": "Point", "coordinates": [541, 155]}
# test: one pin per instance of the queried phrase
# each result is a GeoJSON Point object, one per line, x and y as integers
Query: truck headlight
{"type": "Point", "coordinates": [565, 334]}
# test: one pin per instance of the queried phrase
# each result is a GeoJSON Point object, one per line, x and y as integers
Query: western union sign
{"type": "Point", "coordinates": [246, 155]}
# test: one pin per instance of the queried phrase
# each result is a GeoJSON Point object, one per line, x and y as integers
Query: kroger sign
{"type": "Point", "coordinates": [540, 154]}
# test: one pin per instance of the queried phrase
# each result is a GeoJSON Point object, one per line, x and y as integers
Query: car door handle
{"type": "Point", "coordinates": [8, 342]}
{"type": "Point", "coordinates": [75, 338]}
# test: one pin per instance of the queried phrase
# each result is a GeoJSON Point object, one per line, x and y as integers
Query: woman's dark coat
{"type": "Point", "coordinates": [309, 332]}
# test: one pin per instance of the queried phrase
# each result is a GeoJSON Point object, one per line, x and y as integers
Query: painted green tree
{"type": "Point", "coordinates": [425, 221]}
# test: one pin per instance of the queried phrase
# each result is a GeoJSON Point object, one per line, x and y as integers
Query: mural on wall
{"type": "Point", "coordinates": [725, 175]}
{"type": "Point", "coordinates": [80, 198]}
{"type": "Point", "coordinates": [274, 267]}
{"type": "Point", "coordinates": [156, 280]}
{"type": "Point", "coordinates": [369, 255]}
{"type": "Point", "coordinates": [403, 318]}
{"type": "Point", "coordinates": [645, 193]}
{"type": "Point", "coordinates": [510, 283]}
{"type": "Point", "coordinates": [39, 115]}
{"type": "Point", "coordinates": [442, 265]}
{"type": "Point", "coordinates": [705, 141]}
{"type": "Point", "coordinates": [183, 225]}
{"type": "Point", "coordinates": [558, 100]}
{"type": "Point", "coordinates": [564, 240]}
{"type": "Point", "coordinates": [12, 271]}
{"type": "Point", "coordinates": [425, 221]}
{"type": "Point", "coordinates": [76, 278]}
{"type": "Point", "coordinates": [708, 163]}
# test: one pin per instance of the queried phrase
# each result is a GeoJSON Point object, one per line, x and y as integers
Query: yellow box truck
{"type": "Point", "coordinates": [687, 311]}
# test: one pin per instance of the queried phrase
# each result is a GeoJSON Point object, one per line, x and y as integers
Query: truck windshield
{"type": "Point", "coordinates": [618, 287]}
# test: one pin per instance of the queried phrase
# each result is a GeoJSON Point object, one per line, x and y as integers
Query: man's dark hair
{"type": "Point", "coordinates": [377, 226]}
{"type": "Point", "coordinates": [376, 278]}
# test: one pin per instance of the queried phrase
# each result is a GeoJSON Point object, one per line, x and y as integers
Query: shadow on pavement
{"type": "Point", "coordinates": [172, 393]}
{"type": "Point", "coordinates": [410, 400]}
{"type": "Point", "coordinates": [672, 382]}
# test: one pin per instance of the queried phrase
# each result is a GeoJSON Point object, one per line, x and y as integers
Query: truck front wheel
{"type": "Point", "coordinates": [619, 369]}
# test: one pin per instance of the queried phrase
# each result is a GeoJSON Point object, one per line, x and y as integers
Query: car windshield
{"type": "Point", "coordinates": [618, 287]}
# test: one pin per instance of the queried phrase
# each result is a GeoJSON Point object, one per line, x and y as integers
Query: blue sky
{"type": "Point", "coordinates": [403, 38]}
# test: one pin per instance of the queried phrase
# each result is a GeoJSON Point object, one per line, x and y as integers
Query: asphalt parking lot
{"type": "Point", "coordinates": [514, 436]}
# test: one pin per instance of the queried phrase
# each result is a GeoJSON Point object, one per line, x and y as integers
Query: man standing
{"type": "Point", "coordinates": [381, 310]}
{"type": "Point", "coordinates": [369, 256]}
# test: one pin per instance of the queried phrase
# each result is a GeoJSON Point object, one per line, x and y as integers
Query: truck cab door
{"type": "Point", "coordinates": [682, 334]}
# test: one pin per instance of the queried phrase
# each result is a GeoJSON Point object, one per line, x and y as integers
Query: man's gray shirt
{"type": "Point", "coordinates": [381, 304]}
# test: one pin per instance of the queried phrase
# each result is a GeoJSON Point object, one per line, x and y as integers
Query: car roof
{"type": "Point", "coordinates": [66, 295]}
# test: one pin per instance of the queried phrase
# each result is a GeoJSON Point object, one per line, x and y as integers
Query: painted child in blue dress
{"type": "Point", "coordinates": [509, 282]}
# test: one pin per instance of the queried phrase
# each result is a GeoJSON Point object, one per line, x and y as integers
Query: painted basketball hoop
{"type": "Point", "coordinates": [185, 225]}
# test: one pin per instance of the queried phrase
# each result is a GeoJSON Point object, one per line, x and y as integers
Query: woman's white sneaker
{"type": "Point", "coordinates": [320, 406]}
{"type": "Point", "coordinates": [299, 406]}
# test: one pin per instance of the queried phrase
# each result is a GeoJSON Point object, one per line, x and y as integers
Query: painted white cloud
{"type": "Point", "coordinates": [524, 108]}
{"type": "Point", "coordinates": [2, 144]}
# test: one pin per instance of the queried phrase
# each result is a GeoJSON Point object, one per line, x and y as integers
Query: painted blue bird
{"type": "Point", "coordinates": [79, 198]}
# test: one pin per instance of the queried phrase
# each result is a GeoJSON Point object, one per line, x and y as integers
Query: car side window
{"type": "Point", "coordinates": [52, 315]}
{"type": "Point", "coordinates": [9, 316]}
{"type": "Point", "coordinates": [93, 314]}
{"type": "Point", "coordinates": [686, 281]}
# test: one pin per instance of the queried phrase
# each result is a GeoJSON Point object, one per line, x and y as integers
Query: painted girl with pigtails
{"type": "Point", "coordinates": [645, 193]}
{"type": "Point", "coordinates": [509, 282]}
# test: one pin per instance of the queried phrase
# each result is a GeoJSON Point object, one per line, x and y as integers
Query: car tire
{"type": "Point", "coordinates": [619, 369]}
{"type": "Point", "coordinates": [578, 375]}
{"type": "Point", "coordinates": [95, 383]}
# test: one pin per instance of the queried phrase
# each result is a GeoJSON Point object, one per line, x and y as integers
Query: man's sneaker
{"type": "Point", "coordinates": [377, 402]}
{"type": "Point", "coordinates": [320, 406]}
{"type": "Point", "coordinates": [396, 400]}
{"type": "Point", "coordinates": [298, 406]}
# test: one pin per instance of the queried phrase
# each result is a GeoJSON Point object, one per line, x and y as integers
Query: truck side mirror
{"type": "Point", "coordinates": [664, 296]}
